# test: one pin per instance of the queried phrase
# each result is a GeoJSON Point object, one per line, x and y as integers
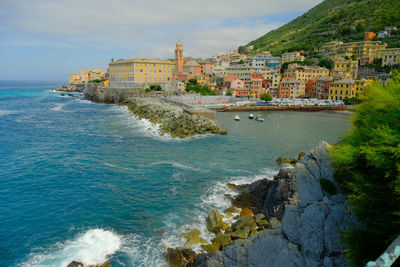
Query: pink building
{"type": "Point", "coordinates": [236, 84]}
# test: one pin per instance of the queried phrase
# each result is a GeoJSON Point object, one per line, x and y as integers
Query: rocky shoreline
{"type": "Point", "coordinates": [171, 118]}
{"type": "Point", "coordinates": [293, 220]}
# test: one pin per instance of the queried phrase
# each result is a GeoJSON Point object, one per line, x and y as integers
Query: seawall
{"type": "Point", "coordinates": [270, 108]}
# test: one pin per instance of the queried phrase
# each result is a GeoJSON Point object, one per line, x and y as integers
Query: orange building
{"type": "Point", "coordinates": [369, 35]}
{"type": "Point", "coordinates": [290, 88]}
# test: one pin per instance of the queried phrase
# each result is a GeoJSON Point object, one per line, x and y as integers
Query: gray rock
{"type": "Point", "coordinates": [328, 262]}
{"type": "Point", "coordinates": [324, 159]}
{"type": "Point", "coordinates": [308, 187]}
{"type": "Point", "coordinates": [337, 220]}
{"type": "Point", "coordinates": [291, 224]}
{"type": "Point", "coordinates": [312, 230]}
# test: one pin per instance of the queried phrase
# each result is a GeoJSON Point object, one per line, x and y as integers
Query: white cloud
{"type": "Point", "coordinates": [150, 27]}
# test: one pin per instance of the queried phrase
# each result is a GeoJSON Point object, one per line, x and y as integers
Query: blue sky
{"type": "Point", "coordinates": [48, 39]}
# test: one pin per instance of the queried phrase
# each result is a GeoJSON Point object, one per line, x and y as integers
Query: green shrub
{"type": "Point", "coordinates": [266, 97]}
{"type": "Point", "coordinates": [368, 169]}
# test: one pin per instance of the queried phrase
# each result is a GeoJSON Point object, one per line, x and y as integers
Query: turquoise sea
{"type": "Point", "coordinates": [90, 182]}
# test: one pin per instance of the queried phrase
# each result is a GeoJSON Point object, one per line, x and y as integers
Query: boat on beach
{"type": "Point", "coordinates": [236, 118]}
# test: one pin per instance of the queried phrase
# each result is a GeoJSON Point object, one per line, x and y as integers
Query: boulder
{"type": "Point", "coordinates": [282, 160]}
{"type": "Point", "coordinates": [180, 257]}
{"type": "Point", "coordinates": [193, 238]}
{"type": "Point", "coordinates": [301, 155]}
{"type": "Point", "coordinates": [214, 221]}
{"type": "Point", "coordinates": [246, 212]}
{"type": "Point", "coordinates": [75, 264]}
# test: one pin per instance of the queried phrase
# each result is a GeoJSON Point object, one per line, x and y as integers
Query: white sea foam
{"type": "Point", "coordinates": [149, 129]}
{"type": "Point", "coordinates": [58, 107]}
{"type": "Point", "coordinates": [213, 198]}
{"type": "Point", "coordinates": [91, 248]}
{"type": "Point", "coordinates": [8, 112]}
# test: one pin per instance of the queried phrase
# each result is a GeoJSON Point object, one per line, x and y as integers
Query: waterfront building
{"type": "Point", "coordinates": [347, 88]}
{"type": "Point", "coordinates": [292, 56]}
{"type": "Point", "coordinates": [138, 72]}
{"type": "Point", "coordinates": [74, 78]}
{"type": "Point", "coordinates": [290, 88]}
{"type": "Point", "coordinates": [341, 89]}
{"type": "Point", "coordinates": [391, 56]}
{"type": "Point", "coordinates": [241, 92]}
{"type": "Point", "coordinates": [92, 74]}
{"type": "Point", "coordinates": [322, 87]}
{"type": "Point", "coordinates": [207, 67]}
{"type": "Point", "coordinates": [272, 79]}
{"type": "Point", "coordinates": [310, 87]}
{"type": "Point", "coordinates": [345, 68]}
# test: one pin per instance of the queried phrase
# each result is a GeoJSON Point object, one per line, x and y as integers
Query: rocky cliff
{"type": "Point", "coordinates": [306, 213]}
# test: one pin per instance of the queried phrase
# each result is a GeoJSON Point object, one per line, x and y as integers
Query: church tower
{"type": "Point", "coordinates": [179, 58]}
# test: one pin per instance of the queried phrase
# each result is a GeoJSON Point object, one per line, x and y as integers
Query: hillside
{"type": "Point", "coordinates": [345, 20]}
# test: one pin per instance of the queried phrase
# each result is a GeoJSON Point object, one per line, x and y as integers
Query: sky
{"type": "Point", "coordinates": [49, 39]}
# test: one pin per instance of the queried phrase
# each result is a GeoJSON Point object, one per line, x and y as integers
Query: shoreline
{"type": "Point", "coordinates": [282, 108]}
{"type": "Point", "coordinates": [293, 220]}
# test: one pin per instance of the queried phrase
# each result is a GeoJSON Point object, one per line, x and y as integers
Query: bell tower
{"type": "Point", "coordinates": [179, 58]}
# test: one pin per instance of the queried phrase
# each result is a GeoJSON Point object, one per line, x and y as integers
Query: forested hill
{"type": "Point", "coordinates": [344, 20]}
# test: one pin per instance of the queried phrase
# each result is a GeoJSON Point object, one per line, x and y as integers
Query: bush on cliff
{"type": "Point", "coordinates": [368, 169]}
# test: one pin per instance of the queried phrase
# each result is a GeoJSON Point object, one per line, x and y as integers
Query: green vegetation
{"type": "Point", "coordinates": [302, 63]}
{"type": "Point", "coordinates": [229, 93]}
{"type": "Point", "coordinates": [351, 101]}
{"type": "Point", "coordinates": [368, 170]}
{"type": "Point", "coordinates": [153, 88]}
{"type": "Point", "coordinates": [266, 97]}
{"type": "Point", "coordinates": [328, 186]}
{"type": "Point", "coordinates": [192, 85]}
{"type": "Point", "coordinates": [344, 20]}
{"type": "Point", "coordinates": [97, 80]}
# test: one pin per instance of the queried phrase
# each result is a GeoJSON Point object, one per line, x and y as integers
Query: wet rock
{"type": "Point", "coordinates": [179, 257]}
{"type": "Point", "coordinates": [282, 160]}
{"type": "Point", "coordinates": [301, 155]}
{"type": "Point", "coordinates": [246, 212]}
{"type": "Point", "coordinates": [259, 216]}
{"type": "Point", "coordinates": [193, 238]}
{"type": "Point", "coordinates": [214, 221]}
{"type": "Point", "coordinates": [75, 264]}
{"type": "Point", "coordinates": [237, 188]}
{"type": "Point", "coordinates": [222, 240]}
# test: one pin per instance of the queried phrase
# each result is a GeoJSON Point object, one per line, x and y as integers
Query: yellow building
{"type": "Point", "coordinates": [74, 78]}
{"type": "Point", "coordinates": [345, 68]}
{"type": "Point", "coordinates": [347, 88]}
{"type": "Point", "coordinates": [134, 72]}
{"type": "Point", "coordinates": [292, 56]}
{"type": "Point", "coordinates": [391, 56]}
{"type": "Point", "coordinates": [366, 49]}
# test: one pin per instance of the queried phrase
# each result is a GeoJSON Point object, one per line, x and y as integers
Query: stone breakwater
{"type": "Point", "coordinates": [293, 220]}
{"type": "Point", "coordinates": [171, 118]}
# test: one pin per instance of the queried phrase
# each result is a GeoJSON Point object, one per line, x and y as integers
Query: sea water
{"type": "Point", "coordinates": [90, 182]}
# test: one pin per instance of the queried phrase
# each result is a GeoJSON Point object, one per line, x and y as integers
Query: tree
{"type": "Point", "coordinates": [192, 81]}
{"type": "Point", "coordinates": [266, 97]}
{"type": "Point", "coordinates": [202, 89]}
{"type": "Point", "coordinates": [229, 93]}
{"type": "Point", "coordinates": [368, 170]}
{"type": "Point", "coordinates": [241, 49]}
{"type": "Point", "coordinates": [325, 63]}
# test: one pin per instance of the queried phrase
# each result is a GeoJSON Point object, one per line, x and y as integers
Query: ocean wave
{"type": "Point", "coordinates": [91, 248]}
{"type": "Point", "coordinates": [213, 198]}
{"type": "Point", "coordinates": [177, 165]}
